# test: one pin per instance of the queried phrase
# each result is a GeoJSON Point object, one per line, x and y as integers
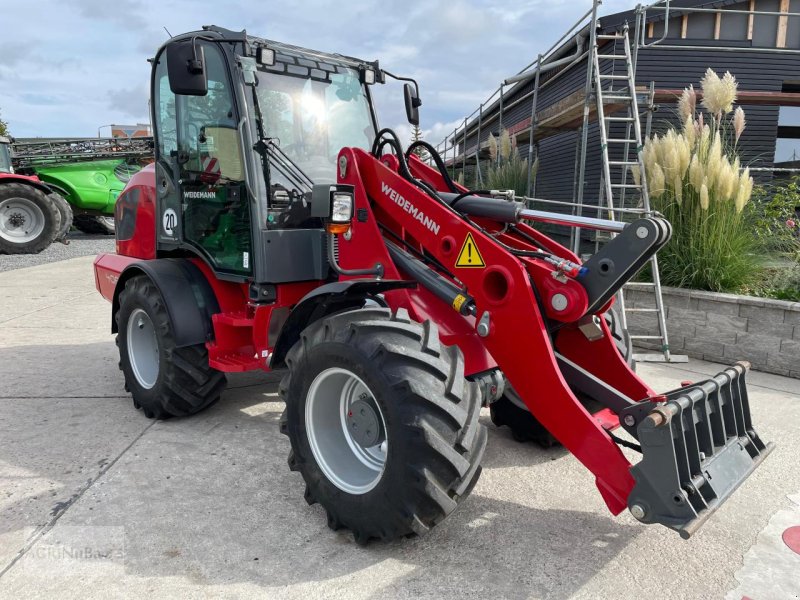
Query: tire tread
{"type": "Point", "coordinates": [440, 413]}
{"type": "Point", "coordinates": [190, 384]}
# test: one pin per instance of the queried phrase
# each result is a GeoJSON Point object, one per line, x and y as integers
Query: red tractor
{"type": "Point", "coordinates": [32, 215]}
{"type": "Point", "coordinates": [399, 302]}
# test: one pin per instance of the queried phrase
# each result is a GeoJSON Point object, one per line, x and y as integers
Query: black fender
{"type": "Point", "coordinates": [325, 300]}
{"type": "Point", "coordinates": [187, 294]}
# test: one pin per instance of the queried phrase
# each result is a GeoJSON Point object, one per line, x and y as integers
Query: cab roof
{"type": "Point", "coordinates": [286, 54]}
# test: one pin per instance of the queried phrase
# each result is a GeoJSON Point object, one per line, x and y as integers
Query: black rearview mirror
{"type": "Point", "coordinates": [412, 103]}
{"type": "Point", "coordinates": [186, 67]}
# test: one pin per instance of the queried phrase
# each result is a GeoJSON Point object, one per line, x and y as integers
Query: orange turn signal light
{"type": "Point", "coordinates": [337, 227]}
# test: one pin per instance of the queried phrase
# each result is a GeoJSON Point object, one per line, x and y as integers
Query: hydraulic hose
{"type": "Point", "coordinates": [394, 141]}
{"type": "Point", "coordinates": [434, 154]}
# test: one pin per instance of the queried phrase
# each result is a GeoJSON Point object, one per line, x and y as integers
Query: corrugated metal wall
{"type": "Point", "coordinates": [669, 69]}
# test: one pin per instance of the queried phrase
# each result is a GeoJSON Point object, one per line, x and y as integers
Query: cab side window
{"type": "Point", "coordinates": [165, 116]}
{"type": "Point", "coordinates": [210, 138]}
{"type": "Point", "coordinates": [216, 210]}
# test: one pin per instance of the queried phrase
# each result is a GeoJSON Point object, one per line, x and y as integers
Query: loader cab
{"type": "Point", "coordinates": [5, 155]}
{"type": "Point", "coordinates": [244, 129]}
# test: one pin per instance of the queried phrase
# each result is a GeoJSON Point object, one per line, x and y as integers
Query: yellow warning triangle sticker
{"type": "Point", "coordinates": [469, 255]}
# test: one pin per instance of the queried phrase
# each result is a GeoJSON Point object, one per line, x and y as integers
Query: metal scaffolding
{"type": "Point", "coordinates": [490, 114]}
{"type": "Point", "coordinates": [618, 199]}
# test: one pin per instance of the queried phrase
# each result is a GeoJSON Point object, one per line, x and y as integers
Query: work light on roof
{"type": "Point", "coordinates": [367, 75]}
{"type": "Point", "coordinates": [265, 56]}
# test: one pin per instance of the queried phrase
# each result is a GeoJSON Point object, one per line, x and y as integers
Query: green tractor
{"type": "Point", "coordinates": [88, 172]}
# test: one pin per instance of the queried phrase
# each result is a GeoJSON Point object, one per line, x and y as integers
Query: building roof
{"type": "Point", "coordinates": [617, 20]}
{"type": "Point", "coordinates": [608, 24]}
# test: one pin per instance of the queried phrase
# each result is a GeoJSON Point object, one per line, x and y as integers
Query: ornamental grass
{"type": "Point", "coordinates": [694, 177]}
{"type": "Point", "coordinates": [507, 170]}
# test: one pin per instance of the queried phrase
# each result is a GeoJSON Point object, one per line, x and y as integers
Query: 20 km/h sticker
{"type": "Point", "coordinates": [470, 256]}
{"type": "Point", "coordinates": [169, 222]}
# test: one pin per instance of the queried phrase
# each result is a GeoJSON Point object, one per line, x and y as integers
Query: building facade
{"type": "Point", "coordinates": [758, 41]}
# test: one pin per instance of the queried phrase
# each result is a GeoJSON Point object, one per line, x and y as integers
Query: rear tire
{"type": "Point", "coordinates": [165, 381]}
{"type": "Point", "coordinates": [427, 413]}
{"type": "Point", "coordinates": [29, 219]}
{"type": "Point", "coordinates": [66, 216]}
{"type": "Point", "coordinates": [621, 337]}
{"type": "Point", "coordinates": [510, 411]}
{"type": "Point", "coordinates": [95, 224]}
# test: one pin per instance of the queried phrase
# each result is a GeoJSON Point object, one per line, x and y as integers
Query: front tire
{"type": "Point", "coordinates": [383, 426]}
{"type": "Point", "coordinates": [509, 410]}
{"type": "Point", "coordinates": [165, 381]}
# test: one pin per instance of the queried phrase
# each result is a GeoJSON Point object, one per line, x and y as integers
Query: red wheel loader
{"type": "Point", "coordinates": [279, 228]}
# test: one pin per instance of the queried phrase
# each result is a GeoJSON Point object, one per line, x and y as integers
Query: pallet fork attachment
{"type": "Point", "coordinates": [698, 446]}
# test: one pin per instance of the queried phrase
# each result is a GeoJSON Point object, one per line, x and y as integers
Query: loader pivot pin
{"type": "Point", "coordinates": [638, 512]}
{"type": "Point", "coordinates": [484, 324]}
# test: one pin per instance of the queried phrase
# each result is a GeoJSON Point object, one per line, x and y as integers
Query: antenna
{"type": "Point", "coordinates": [168, 33]}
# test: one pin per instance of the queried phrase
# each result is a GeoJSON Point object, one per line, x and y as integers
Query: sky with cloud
{"type": "Point", "coordinates": [68, 68]}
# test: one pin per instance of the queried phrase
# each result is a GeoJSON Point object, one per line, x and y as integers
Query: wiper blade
{"type": "Point", "coordinates": [286, 165]}
{"type": "Point", "coordinates": [283, 169]}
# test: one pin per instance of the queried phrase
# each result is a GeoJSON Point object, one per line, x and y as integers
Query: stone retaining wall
{"type": "Point", "coordinates": [723, 327]}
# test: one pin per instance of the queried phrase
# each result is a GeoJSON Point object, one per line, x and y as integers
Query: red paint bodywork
{"type": "Point", "coordinates": [26, 179]}
{"type": "Point", "coordinates": [139, 197]}
{"type": "Point", "coordinates": [20, 178]}
{"type": "Point", "coordinates": [518, 342]}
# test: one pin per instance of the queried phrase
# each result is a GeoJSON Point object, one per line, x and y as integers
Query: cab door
{"type": "Point", "coordinates": [200, 174]}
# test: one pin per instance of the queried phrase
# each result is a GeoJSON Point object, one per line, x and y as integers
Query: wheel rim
{"type": "Point", "coordinates": [143, 348]}
{"type": "Point", "coordinates": [346, 431]}
{"type": "Point", "coordinates": [21, 220]}
{"type": "Point", "coordinates": [108, 221]}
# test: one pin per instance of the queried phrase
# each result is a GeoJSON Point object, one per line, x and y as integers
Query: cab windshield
{"type": "Point", "coordinates": [311, 120]}
{"type": "Point", "coordinates": [5, 158]}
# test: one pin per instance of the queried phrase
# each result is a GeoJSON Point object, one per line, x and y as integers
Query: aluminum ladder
{"type": "Point", "coordinates": [617, 178]}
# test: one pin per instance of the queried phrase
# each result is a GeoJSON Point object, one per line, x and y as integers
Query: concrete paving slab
{"type": "Point", "coordinates": [51, 450]}
{"type": "Point", "coordinates": [206, 506]}
{"type": "Point", "coordinates": [771, 567]}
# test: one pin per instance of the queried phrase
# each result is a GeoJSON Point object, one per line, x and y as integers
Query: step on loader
{"type": "Point", "coordinates": [280, 228]}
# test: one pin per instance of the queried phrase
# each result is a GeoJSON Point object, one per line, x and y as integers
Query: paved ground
{"type": "Point", "coordinates": [80, 244]}
{"type": "Point", "coordinates": [98, 502]}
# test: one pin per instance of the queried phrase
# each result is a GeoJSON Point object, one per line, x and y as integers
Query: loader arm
{"type": "Point", "coordinates": [518, 341]}
{"type": "Point", "coordinates": [531, 311]}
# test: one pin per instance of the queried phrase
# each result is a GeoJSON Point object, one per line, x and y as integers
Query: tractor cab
{"type": "Point", "coordinates": [5, 155]}
{"type": "Point", "coordinates": [245, 128]}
